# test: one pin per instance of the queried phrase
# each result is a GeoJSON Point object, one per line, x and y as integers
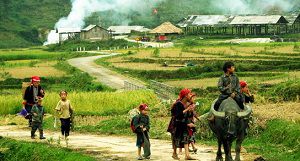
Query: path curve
{"type": "Point", "coordinates": [102, 74]}
{"type": "Point", "coordinates": [111, 147]}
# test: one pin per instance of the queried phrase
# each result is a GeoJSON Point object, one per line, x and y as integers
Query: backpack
{"type": "Point", "coordinates": [133, 114]}
{"type": "Point", "coordinates": [172, 127]}
{"type": "Point", "coordinates": [24, 86]}
{"type": "Point", "coordinates": [131, 123]}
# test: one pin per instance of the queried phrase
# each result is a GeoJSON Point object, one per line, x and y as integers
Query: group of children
{"type": "Point", "coordinates": [32, 104]}
{"type": "Point", "coordinates": [182, 124]}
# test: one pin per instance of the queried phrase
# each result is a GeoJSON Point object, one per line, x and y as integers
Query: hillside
{"type": "Point", "coordinates": [25, 23]}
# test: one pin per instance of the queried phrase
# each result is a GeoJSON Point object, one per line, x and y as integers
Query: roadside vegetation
{"type": "Point", "coordinates": [74, 45]}
{"type": "Point", "coordinates": [12, 150]}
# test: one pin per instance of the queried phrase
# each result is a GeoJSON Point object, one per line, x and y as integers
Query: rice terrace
{"type": "Point", "coordinates": [162, 80]}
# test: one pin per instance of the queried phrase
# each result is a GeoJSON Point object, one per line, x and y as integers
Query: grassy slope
{"type": "Point", "coordinates": [22, 151]}
{"type": "Point", "coordinates": [279, 141]}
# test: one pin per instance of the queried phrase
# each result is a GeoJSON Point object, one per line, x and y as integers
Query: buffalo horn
{"type": "Point", "coordinates": [246, 112]}
{"type": "Point", "coordinates": [216, 113]}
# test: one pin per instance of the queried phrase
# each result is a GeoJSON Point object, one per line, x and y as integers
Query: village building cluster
{"type": "Point", "coordinates": [241, 25]}
{"type": "Point", "coordinates": [194, 24]}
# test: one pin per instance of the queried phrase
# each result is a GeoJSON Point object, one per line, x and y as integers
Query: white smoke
{"type": "Point", "coordinates": [252, 6]}
{"type": "Point", "coordinates": [82, 9]}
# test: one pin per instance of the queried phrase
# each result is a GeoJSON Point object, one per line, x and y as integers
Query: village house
{"type": "Point", "coordinates": [294, 23]}
{"type": "Point", "coordinates": [258, 25]}
{"type": "Point", "coordinates": [67, 33]}
{"type": "Point", "coordinates": [205, 24]}
{"type": "Point", "coordinates": [95, 33]}
{"type": "Point", "coordinates": [240, 24]}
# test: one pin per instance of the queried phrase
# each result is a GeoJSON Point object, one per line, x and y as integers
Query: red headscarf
{"type": "Point", "coordinates": [243, 84]}
{"type": "Point", "coordinates": [184, 92]}
{"type": "Point", "coordinates": [143, 107]}
{"type": "Point", "coordinates": [35, 79]}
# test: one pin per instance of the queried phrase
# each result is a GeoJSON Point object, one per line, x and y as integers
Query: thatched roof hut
{"type": "Point", "coordinates": [166, 28]}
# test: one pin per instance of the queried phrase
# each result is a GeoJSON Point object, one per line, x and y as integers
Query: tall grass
{"type": "Point", "coordinates": [286, 91]}
{"type": "Point", "coordinates": [87, 103]}
{"type": "Point", "coordinates": [26, 54]}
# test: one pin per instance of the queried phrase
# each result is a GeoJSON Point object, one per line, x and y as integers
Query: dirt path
{"type": "Point", "coordinates": [111, 147]}
{"type": "Point", "coordinates": [103, 75]}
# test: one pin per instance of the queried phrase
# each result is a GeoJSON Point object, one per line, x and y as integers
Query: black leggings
{"type": "Point", "coordinates": [29, 116]}
{"type": "Point", "coordinates": [35, 126]}
{"type": "Point", "coordinates": [65, 126]}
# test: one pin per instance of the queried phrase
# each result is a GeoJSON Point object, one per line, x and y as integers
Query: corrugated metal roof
{"type": "Point", "coordinates": [91, 27]}
{"type": "Point", "coordinates": [224, 20]}
{"type": "Point", "coordinates": [205, 20]}
{"type": "Point", "coordinates": [292, 18]}
{"type": "Point", "coordinates": [258, 20]}
{"type": "Point", "coordinates": [68, 30]}
{"type": "Point", "coordinates": [127, 29]}
{"type": "Point", "coordinates": [210, 20]}
{"type": "Point", "coordinates": [166, 28]}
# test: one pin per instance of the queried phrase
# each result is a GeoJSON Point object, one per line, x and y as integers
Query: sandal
{"type": "Point", "coordinates": [190, 158]}
{"type": "Point", "coordinates": [139, 158]}
{"type": "Point", "coordinates": [195, 150]}
{"type": "Point", "coordinates": [175, 157]}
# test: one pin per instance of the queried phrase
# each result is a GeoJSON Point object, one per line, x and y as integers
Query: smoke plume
{"type": "Point", "coordinates": [253, 6]}
{"type": "Point", "coordinates": [82, 9]}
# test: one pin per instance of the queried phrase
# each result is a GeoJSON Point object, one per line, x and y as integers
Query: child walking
{"type": "Point", "coordinates": [142, 125]}
{"type": "Point", "coordinates": [37, 119]}
{"type": "Point", "coordinates": [65, 112]}
{"type": "Point", "coordinates": [192, 115]}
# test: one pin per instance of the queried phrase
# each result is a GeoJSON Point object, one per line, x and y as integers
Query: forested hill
{"type": "Point", "coordinates": [27, 22]}
{"type": "Point", "coordinates": [24, 22]}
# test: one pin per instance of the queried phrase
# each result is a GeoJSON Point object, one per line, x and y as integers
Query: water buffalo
{"type": "Point", "coordinates": [229, 124]}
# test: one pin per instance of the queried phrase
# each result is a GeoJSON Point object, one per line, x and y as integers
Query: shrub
{"type": "Point", "coordinates": [156, 52]}
{"type": "Point", "coordinates": [287, 91]}
{"type": "Point", "coordinates": [190, 43]}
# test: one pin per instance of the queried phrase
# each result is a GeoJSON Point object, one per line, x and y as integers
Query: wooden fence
{"type": "Point", "coordinates": [164, 91]}
{"type": "Point", "coordinates": [131, 86]}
